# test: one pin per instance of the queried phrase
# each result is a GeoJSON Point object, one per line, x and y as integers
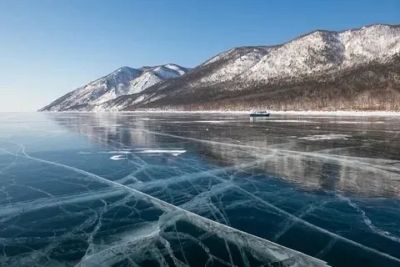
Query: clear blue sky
{"type": "Point", "coordinates": [49, 47]}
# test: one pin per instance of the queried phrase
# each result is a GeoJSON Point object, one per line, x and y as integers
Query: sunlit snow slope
{"type": "Point", "coordinates": [123, 81]}
{"type": "Point", "coordinates": [324, 70]}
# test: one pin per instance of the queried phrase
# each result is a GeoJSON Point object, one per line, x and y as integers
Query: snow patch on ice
{"type": "Point", "coordinates": [118, 157]}
{"type": "Point", "coordinates": [174, 152]}
{"type": "Point", "coordinates": [318, 137]}
{"type": "Point", "coordinates": [117, 152]}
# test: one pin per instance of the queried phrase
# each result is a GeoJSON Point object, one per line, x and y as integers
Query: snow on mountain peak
{"type": "Point", "coordinates": [176, 68]}
{"type": "Point", "coordinates": [122, 81]}
{"type": "Point", "coordinates": [322, 51]}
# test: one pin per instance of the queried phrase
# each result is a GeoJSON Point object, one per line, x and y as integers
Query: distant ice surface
{"type": "Point", "coordinates": [292, 121]}
{"type": "Point", "coordinates": [236, 193]}
{"type": "Point", "coordinates": [341, 113]}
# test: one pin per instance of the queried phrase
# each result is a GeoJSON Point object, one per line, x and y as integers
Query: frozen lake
{"type": "Point", "coordinates": [130, 189]}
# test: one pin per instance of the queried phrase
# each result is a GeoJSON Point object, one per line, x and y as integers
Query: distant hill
{"type": "Point", "coordinates": [357, 69]}
{"type": "Point", "coordinates": [121, 82]}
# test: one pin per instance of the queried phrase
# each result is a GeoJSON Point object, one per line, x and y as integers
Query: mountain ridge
{"type": "Point", "coordinates": [300, 74]}
{"type": "Point", "coordinates": [122, 81]}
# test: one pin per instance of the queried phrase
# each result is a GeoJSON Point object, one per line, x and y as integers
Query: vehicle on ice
{"type": "Point", "coordinates": [259, 114]}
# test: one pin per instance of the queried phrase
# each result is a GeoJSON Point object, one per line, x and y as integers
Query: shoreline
{"type": "Point", "coordinates": [355, 113]}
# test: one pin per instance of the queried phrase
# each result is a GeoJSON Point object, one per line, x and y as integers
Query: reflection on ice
{"type": "Point", "coordinates": [209, 195]}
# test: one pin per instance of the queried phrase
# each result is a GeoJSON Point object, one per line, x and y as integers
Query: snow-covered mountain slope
{"type": "Point", "coordinates": [233, 63]}
{"type": "Point", "coordinates": [220, 68]}
{"type": "Point", "coordinates": [324, 51]}
{"type": "Point", "coordinates": [353, 69]}
{"type": "Point", "coordinates": [319, 70]}
{"type": "Point", "coordinates": [123, 81]}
